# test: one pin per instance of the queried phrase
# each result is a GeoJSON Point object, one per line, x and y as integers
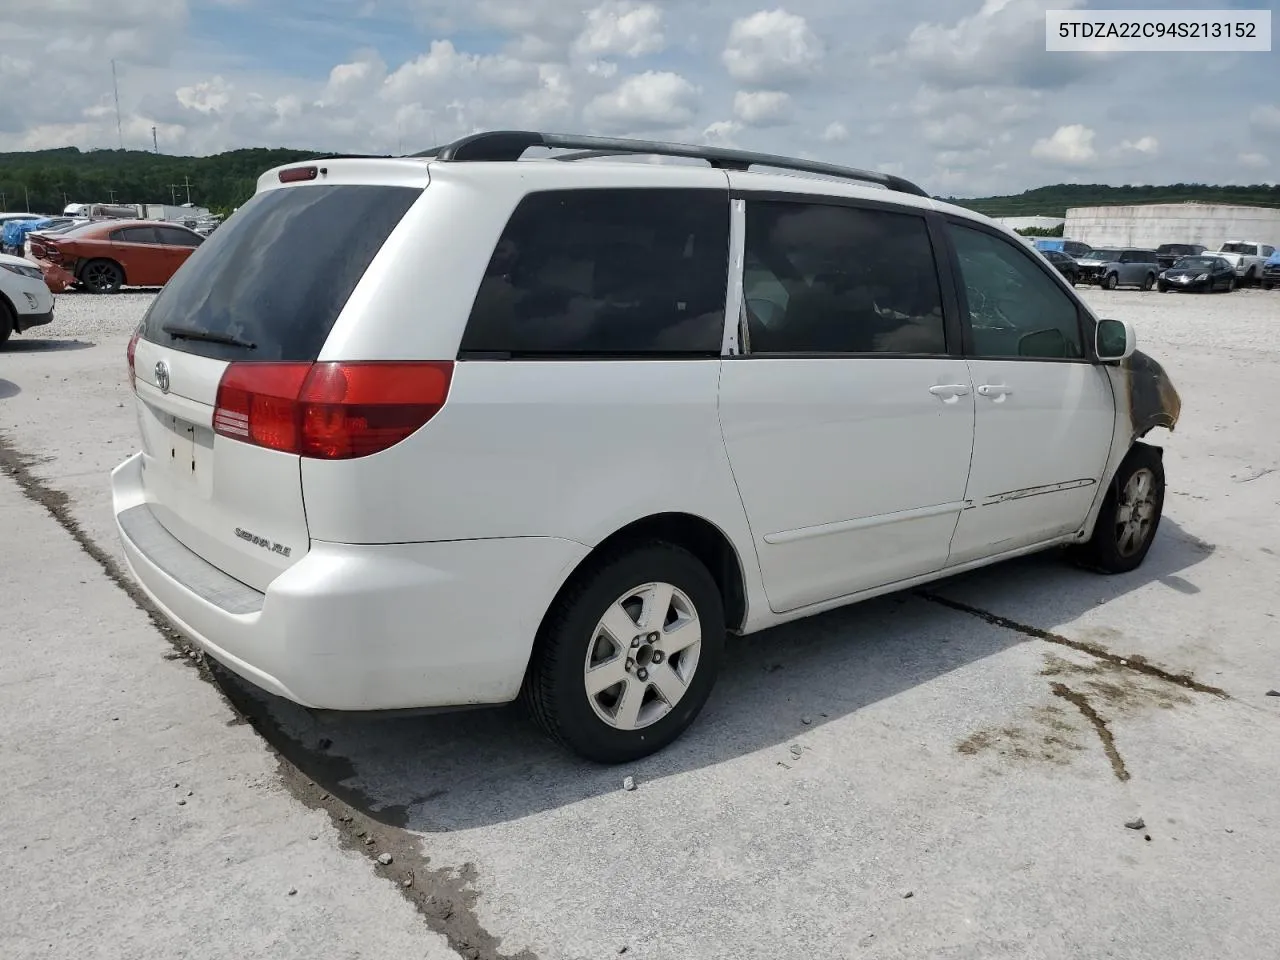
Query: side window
{"type": "Point", "coordinates": [821, 278]}
{"type": "Point", "coordinates": [1015, 308]}
{"type": "Point", "coordinates": [608, 272]}
{"type": "Point", "coordinates": [173, 237]}
{"type": "Point", "coordinates": [1268, 251]}
{"type": "Point", "coordinates": [136, 235]}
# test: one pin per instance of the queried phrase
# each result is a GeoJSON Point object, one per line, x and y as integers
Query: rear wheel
{"type": "Point", "coordinates": [1130, 514]}
{"type": "Point", "coordinates": [1268, 284]}
{"type": "Point", "coordinates": [1148, 281]}
{"type": "Point", "coordinates": [1110, 281]}
{"type": "Point", "coordinates": [627, 656]}
{"type": "Point", "coordinates": [1250, 277]}
{"type": "Point", "coordinates": [101, 276]}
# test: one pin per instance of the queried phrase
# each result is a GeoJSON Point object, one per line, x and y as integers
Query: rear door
{"type": "Point", "coordinates": [1044, 412]}
{"type": "Point", "coordinates": [848, 418]}
{"type": "Point", "coordinates": [178, 245]}
{"type": "Point", "coordinates": [137, 249]}
{"type": "Point", "coordinates": [266, 288]}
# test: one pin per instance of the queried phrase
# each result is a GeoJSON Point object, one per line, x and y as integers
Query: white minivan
{"type": "Point", "coordinates": [453, 429]}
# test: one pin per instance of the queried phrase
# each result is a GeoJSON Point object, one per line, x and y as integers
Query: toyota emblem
{"type": "Point", "coordinates": [162, 376]}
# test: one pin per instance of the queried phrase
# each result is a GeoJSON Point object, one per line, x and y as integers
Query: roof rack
{"type": "Point", "coordinates": [504, 145]}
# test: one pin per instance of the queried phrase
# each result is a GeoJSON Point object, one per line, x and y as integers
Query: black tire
{"type": "Point", "coordinates": [1268, 284]}
{"type": "Point", "coordinates": [101, 276]}
{"type": "Point", "coordinates": [1162, 287]}
{"type": "Point", "coordinates": [1250, 278]}
{"type": "Point", "coordinates": [1148, 281]}
{"type": "Point", "coordinates": [1109, 550]}
{"type": "Point", "coordinates": [7, 322]}
{"type": "Point", "coordinates": [555, 691]}
{"type": "Point", "coordinates": [1110, 281]}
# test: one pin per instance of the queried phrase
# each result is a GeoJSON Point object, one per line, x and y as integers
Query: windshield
{"type": "Point", "coordinates": [270, 282]}
{"type": "Point", "coordinates": [1249, 249]}
{"type": "Point", "coordinates": [1194, 263]}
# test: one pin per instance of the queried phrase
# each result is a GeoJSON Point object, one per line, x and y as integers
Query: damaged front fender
{"type": "Point", "coordinates": [1145, 394]}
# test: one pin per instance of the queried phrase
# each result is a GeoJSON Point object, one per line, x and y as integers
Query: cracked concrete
{"type": "Point", "coordinates": [936, 759]}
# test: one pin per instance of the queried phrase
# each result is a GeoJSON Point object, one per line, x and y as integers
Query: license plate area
{"type": "Point", "coordinates": [178, 448]}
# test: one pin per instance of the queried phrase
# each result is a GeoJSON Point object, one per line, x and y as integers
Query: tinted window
{"type": "Point", "coordinates": [1016, 309]}
{"type": "Point", "coordinates": [829, 279]}
{"type": "Point", "coordinates": [178, 238]}
{"type": "Point", "coordinates": [614, 272]}
{"type": "Point", "coordinates": [135, 235]}
{"type": "Point", "coordinates": [279, 271]}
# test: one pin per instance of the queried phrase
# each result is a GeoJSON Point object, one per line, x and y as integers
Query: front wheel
{"type": "Point", "coordinates": [7, 322]}
{"type": "Point", "coordinates": [1163, 287]}
{"type": "Point", "coordinates": [627, 655]}
{"type": "Point", "coordinates": [1268, 284]}
{"type": "Point", "coordinates": [101, 276]}
{"type": "Point", "coordinates": [1130, 514]}
{"type": "Point", "coordinates": [1249, 278]}
{"type": "Point", "coordinates": [1110, 282]}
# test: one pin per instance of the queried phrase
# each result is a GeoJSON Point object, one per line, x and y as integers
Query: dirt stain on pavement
{"type": "Point", "coordinates": [445, 897]}
{"type": "Point", "coordinates": [1082, 703]}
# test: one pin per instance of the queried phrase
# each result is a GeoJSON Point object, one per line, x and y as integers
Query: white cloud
{"type": "Point", "coordinates": [209, 97]}
{"type": "Point", "coordinates": [1254, 161]}
{"type": "Point", "coordinates": [1148, 145]}
{"type": "Point", "coordinates": [772, 47]}
{"type": "Point", "coordinates": [835, 132]}
{"type": "Point", "coordinates": [648, 101]}
{"type": "Point", "coordinates": [621, 28]}
{"type": "Point", "coordinates": [722, 133]}
{"type": "Point", "coordinates": [762, 108]}
{"type": "Point", "coordinates": [1265, 118]}
{"type": "Point", "coordinates": [1070, 146]}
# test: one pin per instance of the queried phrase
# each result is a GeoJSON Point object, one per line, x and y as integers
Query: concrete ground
{"type": "Point", "coordinates": [945, 774]}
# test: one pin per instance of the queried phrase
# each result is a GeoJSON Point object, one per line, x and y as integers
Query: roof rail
{"type": "Point", "coordinates": [503, 145]}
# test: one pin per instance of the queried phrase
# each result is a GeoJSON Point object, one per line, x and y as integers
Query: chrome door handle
{"type": "Point", "coordinates": [994, 390]}
{"type": "Point", "coordinates": [950, 392]}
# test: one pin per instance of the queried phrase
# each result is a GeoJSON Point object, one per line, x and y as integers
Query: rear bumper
{"type": "Point", "coordinates": [56, 278]}
{"type": "Point", "coordinates": [357, 627]}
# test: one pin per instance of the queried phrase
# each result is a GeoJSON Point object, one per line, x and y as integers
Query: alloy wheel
{"type": "Point", "coordinates": [642, 656]}
{"type": "Point", "coordinates": [1135, 512]}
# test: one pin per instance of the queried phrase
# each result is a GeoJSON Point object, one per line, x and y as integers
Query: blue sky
{"type": "Point", "coordinates": [959, 95]}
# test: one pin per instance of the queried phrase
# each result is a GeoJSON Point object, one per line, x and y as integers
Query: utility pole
{"type": "Point", "coordinates": [111, 196]}
{"type": "Point", "coordinates": [115, 87]}
{"type": "Point", "coordinates": [154, 142]}
{"type": "Point", "coordinates": [173, 192]}
{"type": "Point", "coordinates": [186, 182]}
{"type": "Point", "coordinates": [27, 197]}
{"type": "Point", "coordinates": [4, 201]}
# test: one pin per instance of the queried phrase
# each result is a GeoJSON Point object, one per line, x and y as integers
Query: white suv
{"type": "Point", "coordinates": [25, 300]}
{"type": "Point", "coordinates": [440, 431]}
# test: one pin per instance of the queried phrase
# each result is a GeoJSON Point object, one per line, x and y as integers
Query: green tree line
{"type": "Point", "coordinates": [45, 180]}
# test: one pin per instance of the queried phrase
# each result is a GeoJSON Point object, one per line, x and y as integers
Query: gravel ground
{"type": "Point", "coordinates": [909, 777]}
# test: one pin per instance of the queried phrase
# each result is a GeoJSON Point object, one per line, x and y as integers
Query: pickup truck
{"type": "Point", "coordinates": [1247, 257]}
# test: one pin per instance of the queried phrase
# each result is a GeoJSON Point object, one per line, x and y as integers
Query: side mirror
{"type": "Point", "coordinates": [1114, 340]}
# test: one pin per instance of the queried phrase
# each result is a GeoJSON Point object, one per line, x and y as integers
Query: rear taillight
{"type": "Point", "coordinates": [329, 411]}
{"type": "Point", "coordinates": [130, 352]}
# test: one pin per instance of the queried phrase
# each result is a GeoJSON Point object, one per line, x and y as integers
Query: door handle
{"type": "Point", "coordinates": [996, 391]}
{"type": "Point", "coordinates": [949, 392]}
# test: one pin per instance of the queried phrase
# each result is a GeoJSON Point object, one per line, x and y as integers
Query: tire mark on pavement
{"type": "Point", "coordinates": [444, 897]}
{"type": "Point", "coordinates": [1108, 739]}
{"type": "Point", "coordinates": [1135, 662]}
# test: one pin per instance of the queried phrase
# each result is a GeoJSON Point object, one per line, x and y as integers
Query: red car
{"type": "Point", "coordinates": [102, 257]}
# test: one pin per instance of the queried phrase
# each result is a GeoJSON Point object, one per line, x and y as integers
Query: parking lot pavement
{"type": "Point", "coordinates": [945, 774]}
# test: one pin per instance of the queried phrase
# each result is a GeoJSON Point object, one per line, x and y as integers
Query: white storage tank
{"type": "Point", "coordinates": [1149, 225]}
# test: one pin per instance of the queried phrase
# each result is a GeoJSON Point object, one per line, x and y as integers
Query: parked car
{"type": "Point", "coordinates": [1170, 253]}
{"type": "Point", "coordinates": [1126, 266]}
{"type": "Point", "coordinates": [1198, 273]}
{"type": "Point", "coordinates": [1248, 257]}
{"type": "Point", "coordinates": [14, 234]}
{"type": "Point", "coordinates": [1271, 271]}
{"type": "Point", "coordinates": [1072, 248]}
{"type": "Point", "coordinates": [589, 449]}
{"type": "Point", "coordinates": [25, 301]}
{"type": "Point", "coordinates": [1064, 264]}
{"type": "Point", "coordinates": [106, 255]}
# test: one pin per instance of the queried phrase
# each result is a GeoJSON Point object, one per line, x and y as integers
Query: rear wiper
{"type": "Point", "coordinates": [191, 333]}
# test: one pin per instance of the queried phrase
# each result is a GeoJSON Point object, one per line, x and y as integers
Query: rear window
{"type": "Point", "coordinates": [606, 273]}
{"type": "Point", "coordinates": [278, 272]}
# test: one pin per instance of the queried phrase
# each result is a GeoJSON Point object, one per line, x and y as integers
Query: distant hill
{"type": "Point", "coordinates": [225, 180]}
{"type": "Point", "coordinates": [219, 182]}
